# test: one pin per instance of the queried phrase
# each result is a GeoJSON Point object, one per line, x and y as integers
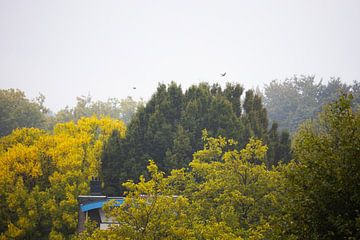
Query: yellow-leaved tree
{"type": "Point", "coordinates": [41, 175]}
{"type": "Point", "coordinates": [224, 194]}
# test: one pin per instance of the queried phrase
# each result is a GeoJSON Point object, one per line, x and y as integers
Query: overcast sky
{"type": "Point", "coordinates": [65, 49]}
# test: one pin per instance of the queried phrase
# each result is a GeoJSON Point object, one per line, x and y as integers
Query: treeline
{"type": "Point", "coordinates": [169, 129]}
{"type": "Point", "coordinates": [17, 111]}
{"type": "Point", "coordinates": [231, 194]}
{"type": "Point", "coordinates": [121, 109]}
{"type": "Point", "coordinates": [294, 100]}
{"type": "Point", "coordinates": [288, 103]}
{"type": "Point", "coordinates": [219, 169]}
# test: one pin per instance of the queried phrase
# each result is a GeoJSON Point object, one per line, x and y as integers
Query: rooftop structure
{"type": "Point", "coordinates": [91, 207]}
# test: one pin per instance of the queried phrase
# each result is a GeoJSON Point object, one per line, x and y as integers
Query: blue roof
{"type": "Point", "coordinates": [99, 204]}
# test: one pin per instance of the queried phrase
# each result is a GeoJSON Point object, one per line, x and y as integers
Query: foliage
{"type": "Point", "coordinates": [42, 174]}
{"type": "Point", "coordinates": [226, 191]}
{"type": "Point", "coordinates": [322, 188]}
{"type": "Point", "coordinates": [111, 162]}
{"type": "Point", "coordinates": [122, 109]}
{"type": "Point", "coordinates": [225, 195]}
{"type": "Point", "coordinates": [169, 128]}
{"type": "Point", "coordinates": [230, 194]}
{"type": "Point", "coordinates": [294, 100]}
{"type": "Point", "coordinates": [16, 111]}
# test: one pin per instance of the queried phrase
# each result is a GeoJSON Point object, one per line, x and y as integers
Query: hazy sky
{"type": "Point", "coordinates": [65, 49]}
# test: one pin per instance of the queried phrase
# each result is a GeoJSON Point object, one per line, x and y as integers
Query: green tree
{"type": "Point", "coordinates": [256, 125]}
{"type": "Point", "coordinates": [233, 93]}
{"type": "Point", "coordinates": [224, 195]}
{"type": "Point", "coordinates": [169, 128]}
{"type": "Point", "coordinates": [322, 183]}
{"type": "Point", "coordinates": [16, 111]}
{"type": "Point", "coordinates": [122, 109]}
{"type": "Point", "coordinates": [180, 153]}
{"type": "Point", "coordinates": [279, 146]}
{"type": "Point", "coordinates": [355, 91]}
{"type": "Point", "coordinates": [255, 114]}
{"type": "Point", "coordinates": [294, 100]}
{"type": "Point", "coordinates": [111, 163]}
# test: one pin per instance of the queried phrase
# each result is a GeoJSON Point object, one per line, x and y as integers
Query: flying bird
{"type": "Point", "coordinates": [223, 74]}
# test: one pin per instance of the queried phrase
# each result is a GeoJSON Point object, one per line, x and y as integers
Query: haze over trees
{"type": "Point", "coordinates": [231, 194]}
{"type": "Point", "coordinates": [169, 128]}
{"type": "Point", "coordinates": [16, 111]}
{"type": "Point", "coordinates": [204, 163]}
{"type": "Point", "coordinates": [122, 109]}
{"type": "Point", "coordinates": [294, 100]}
{"type": "Point", "coordinates": [322, 182]}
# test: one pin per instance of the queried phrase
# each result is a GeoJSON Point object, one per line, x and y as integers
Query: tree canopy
{"type": "Point", "coordinates": [16, 111]}
{"type": "Point", "coordinates": [41, 175]}
{"type": "Point", "coordinates": [323, 188]}
{"type": "Point", "coordinates": [122, 109]}
{"type": "Point", "coordinates": [216, 169]}
{"type": "Point", "coordinates": [294, 100]}
{"type": "Point", "coordinates": [231, 194]}
{"type": "Point", "coordinates": [169, 128]}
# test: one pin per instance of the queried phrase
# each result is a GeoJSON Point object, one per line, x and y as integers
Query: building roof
{"type": "Point", "coordinates": [99, 202]}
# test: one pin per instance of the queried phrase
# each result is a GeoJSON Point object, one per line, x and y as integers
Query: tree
{"type": "Point", "coordinates": [322, 183]}
{"type": "Point", "coordinates": [332, 90]}
{"type": "Point", "coordinates": [256, 125]}
{"type": "Point", "coordinates": [16, 111]}
{"type": "Point", "coordinates": [122, 109]}
{"type": "Point", "coordinates": [169, 128]}
{"type": "Point", "coordinates": [111, 163]}
{"type": "Point", "coordinates": [41, 175]}
{"type": "Point", "coordinates": [225, 195]}
{"type": "Point", "coordinates": [233, 93]}
{"type": "Point", "coordinates": [279, 146]}
{"type": "Point", "coordinates": [255, 114]}
{"type": "Point", "coordinates": [294, 100]}
{"type": "Point", "coordinates": [179, 154]}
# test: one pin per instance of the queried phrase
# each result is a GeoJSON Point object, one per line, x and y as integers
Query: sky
{"type": "Point", "coordinates": [68, 48]}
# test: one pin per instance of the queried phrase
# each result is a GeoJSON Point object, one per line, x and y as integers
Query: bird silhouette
{"type": "Point", "coordinates": [223, 74]}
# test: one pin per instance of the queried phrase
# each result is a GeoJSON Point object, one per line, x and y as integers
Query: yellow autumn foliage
{"type": "Point", "coordinates": [223, 195]}
{"type": "Point", "coordinates": [41, 175]}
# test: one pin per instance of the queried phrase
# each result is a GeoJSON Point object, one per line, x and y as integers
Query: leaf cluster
{"type": "Point", "coordinates": [41, 175]}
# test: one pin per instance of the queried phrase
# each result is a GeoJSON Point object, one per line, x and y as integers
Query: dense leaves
{"type": "Point", "coordinates": [16, 111]}
{"type": "Point", "coordinates": [122, 109]}
{"type": "Point", "coordinates": [169, 128]}
{"type": "Point", "coordinates": [291, 102]}
{"type": "Point", "coordinates": [219, 183]}
{"type": "Point", "coordinates": [226, 194]}
{"type": "Point", "coordinates": [323, 191]}
{"type": "Point", "coordinates": [42, 174]}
